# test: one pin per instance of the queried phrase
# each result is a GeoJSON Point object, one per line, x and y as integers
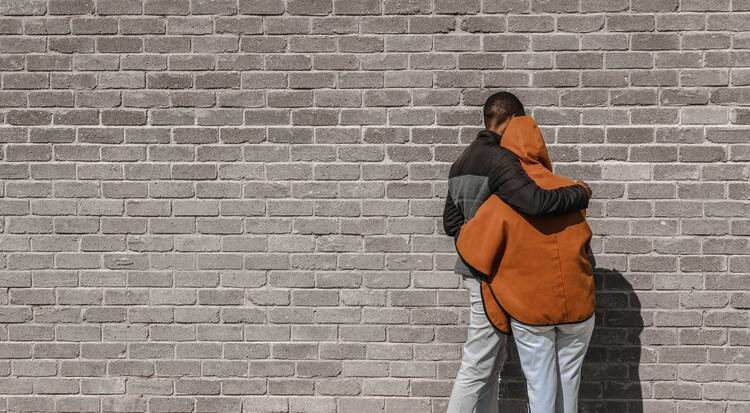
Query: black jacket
{"type": "Point", "coordinates": [485, 168]}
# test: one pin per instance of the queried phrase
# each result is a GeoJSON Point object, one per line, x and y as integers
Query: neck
{"type": "Point", "coordinates": [497, 130]}
{"type": "Point", "coordinates": [490, 135]}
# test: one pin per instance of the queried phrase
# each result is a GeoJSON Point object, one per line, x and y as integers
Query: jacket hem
{"type": "Point", "coordinates": [500, 304]}
{"type": "Point", "coordinates": [484, 306]}
{"type": "Point", "coordinates": [484, 277]}
{"type": "Point", "coordinates": [555, 324]}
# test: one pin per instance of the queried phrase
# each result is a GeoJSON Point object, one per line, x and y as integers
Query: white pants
{"type": "Point", "coordinates": [476, 387]}
{"type": "Point", "coordinates": [551, 359]}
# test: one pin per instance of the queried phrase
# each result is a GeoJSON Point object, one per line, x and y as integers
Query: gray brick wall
{"type": "Point", "coordinates": [234, 205]}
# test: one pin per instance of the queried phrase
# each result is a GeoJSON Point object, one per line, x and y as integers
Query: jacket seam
{"type": "Point", "coordinates": [562, 278]}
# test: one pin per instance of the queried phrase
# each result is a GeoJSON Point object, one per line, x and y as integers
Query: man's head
{"type": "Point", "coordinates": [498, 110]}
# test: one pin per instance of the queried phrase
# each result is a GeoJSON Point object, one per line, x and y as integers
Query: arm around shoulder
{"type": "Point", "coordinates": [511, 183]}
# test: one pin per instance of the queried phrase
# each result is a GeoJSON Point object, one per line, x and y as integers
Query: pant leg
{"type": "Point", "coordinates": [536, 351]}
{"type": "Point", "coordinates": [571, 344]}
{"type": "Point", "coordinates": [476, 387]}
{"type": "Point", "coordinates": [488, 401]}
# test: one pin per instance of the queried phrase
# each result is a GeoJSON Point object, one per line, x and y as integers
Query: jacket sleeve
{"type": "Point", "coordinates": [453, 218]}
{"type": "Point", "coordinates": [509, 181]}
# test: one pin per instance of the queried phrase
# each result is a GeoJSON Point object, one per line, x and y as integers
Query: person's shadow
{"type": "Point", "coordinates": [610, 381]}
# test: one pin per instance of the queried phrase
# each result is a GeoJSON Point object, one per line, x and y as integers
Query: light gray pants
{"type": "Point", "coordinates": [476, 387]}
{"type": "Point", "coordinates": [551, 359]}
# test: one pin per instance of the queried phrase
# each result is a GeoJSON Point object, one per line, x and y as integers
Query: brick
{"type": "Point", "coordinates": [356, 7]}
{"type": "Point", "coordinates": [317, 7]}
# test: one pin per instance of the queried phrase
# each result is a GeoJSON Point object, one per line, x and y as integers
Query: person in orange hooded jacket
{"type": "Point", "coordinates": [537, 277]}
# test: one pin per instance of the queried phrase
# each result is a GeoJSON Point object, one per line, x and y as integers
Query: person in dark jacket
{"type": "Point", "coordinates": [486, 168]}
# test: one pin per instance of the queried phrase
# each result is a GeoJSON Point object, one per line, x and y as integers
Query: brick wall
{"type": "Point", "coordinates": [234, 205]}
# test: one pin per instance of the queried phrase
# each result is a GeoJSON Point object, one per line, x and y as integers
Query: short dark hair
{"type": "Point", "coordinates": [499, 107]}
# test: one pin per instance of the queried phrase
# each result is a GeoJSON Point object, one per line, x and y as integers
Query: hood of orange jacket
{"type": "Point", "coordinates": [535, 269]}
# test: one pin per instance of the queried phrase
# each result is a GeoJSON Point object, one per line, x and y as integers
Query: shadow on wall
{"type": "Point", "coordinates": [610, 379]}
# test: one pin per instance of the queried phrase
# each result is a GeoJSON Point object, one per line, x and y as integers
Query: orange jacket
{"type": "Point", "coordinates": [537, 269]}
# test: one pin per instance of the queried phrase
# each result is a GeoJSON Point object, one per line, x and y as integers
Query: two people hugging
{"type": "Point", "coordinates": [524, 254]}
